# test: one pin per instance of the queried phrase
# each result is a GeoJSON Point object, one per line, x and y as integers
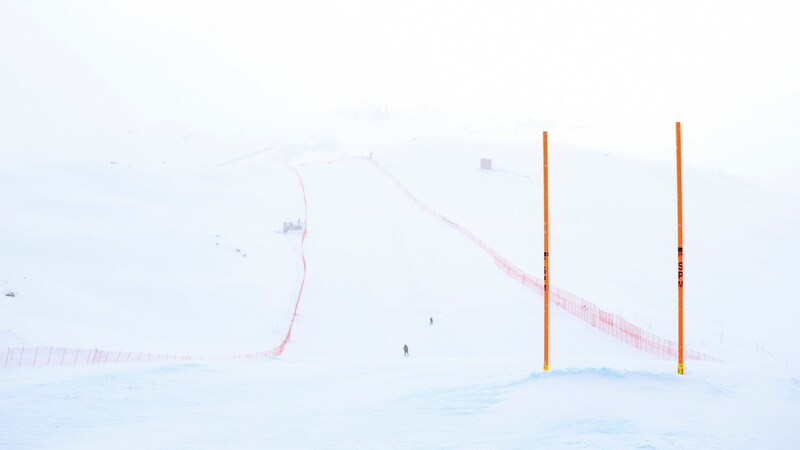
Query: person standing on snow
{"type": "Point", "coordinates": [405, 349]}
{"type": "Point", "coordinates": [431, 320]}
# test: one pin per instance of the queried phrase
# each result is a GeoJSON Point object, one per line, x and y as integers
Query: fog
{"type": "Point", "coordinates": [126, 79]}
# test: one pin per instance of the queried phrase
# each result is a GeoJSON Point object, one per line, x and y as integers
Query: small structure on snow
{"type": "Point", "coordinates": [289, 226]}
{"type": "Point", "coordinates": [486, 164]}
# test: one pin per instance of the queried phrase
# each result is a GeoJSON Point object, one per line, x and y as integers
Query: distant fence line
{"type": "Point", "coordinates": [62, 356]}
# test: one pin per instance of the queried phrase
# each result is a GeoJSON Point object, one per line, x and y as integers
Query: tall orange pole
{"type": "Point", "coordinates": [680, 249]}
{"type": "Point", "coordinates": [546, 261]}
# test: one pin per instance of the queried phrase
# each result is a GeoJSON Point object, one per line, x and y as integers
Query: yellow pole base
{"type": "Point", "coordinates": [680, 369]}
{"type": "Point", "coordinates": [546, 367]}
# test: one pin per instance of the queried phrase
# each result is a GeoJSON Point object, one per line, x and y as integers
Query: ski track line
{"type": "Point", "coordinates": [247, 156]}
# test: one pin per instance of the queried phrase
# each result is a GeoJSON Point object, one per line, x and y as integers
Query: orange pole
{"type": "Point", "coordinates": [546, 261]}
{"type": "Point", "coordinates": [680, 248]}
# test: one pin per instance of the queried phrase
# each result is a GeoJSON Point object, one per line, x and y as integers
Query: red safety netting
{"type": "Point", "coordinates": [585, 310]}
{"type": "Point", "coordinates": [60, 356]}
{"type": "Point", "coordinates": [581, 308]}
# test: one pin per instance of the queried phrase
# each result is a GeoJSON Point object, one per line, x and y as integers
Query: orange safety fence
{"type": "Point", "coordinates": [60, 356]}
{"type": "Point", "coordinates": [581, 308]}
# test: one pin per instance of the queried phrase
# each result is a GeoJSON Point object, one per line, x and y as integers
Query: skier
{"type": "Point", "coordinates": [431, 320]}
{"type": "Point", "coordinates": [405, 349]}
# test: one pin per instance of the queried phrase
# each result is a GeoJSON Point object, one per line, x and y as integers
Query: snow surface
{"type": "Point", "coordinates": [144, 149]}
{"type": "Point", "coordinates": [143, 256]}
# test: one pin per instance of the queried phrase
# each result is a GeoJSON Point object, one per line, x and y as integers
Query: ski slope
{"type": "Point", "coordinates": [143, 257]}
{"type": "Point", "coordinates": [149, 152]}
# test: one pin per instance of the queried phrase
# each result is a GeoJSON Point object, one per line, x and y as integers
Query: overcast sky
{"type": "Point", "coordinates": [610, 75]}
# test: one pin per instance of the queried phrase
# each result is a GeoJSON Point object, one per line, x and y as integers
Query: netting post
{"type": "Point", "coordinates": [680, 247]}
{"type": "Point", "coordinates": [546, 281]}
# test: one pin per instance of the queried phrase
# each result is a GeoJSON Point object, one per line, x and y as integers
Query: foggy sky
{"type": "Point", "coordinates": [613, 76]}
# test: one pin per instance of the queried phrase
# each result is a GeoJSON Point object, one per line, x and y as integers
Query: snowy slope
{"type": "Point", "coordinates": [148, 154]}
{"type": "Point", "coordinates": [152, 258]}
{"type": "Point", "coordinates": [378, 268]}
